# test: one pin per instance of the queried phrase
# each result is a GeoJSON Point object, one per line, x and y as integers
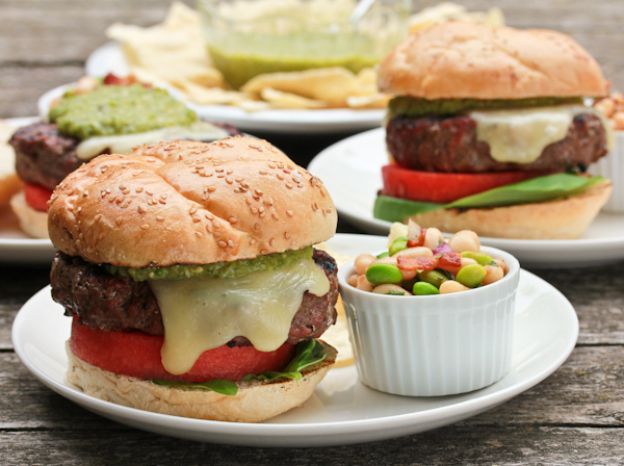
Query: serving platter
{"type": "Point", "coordinates": [15, 245]}
{"type": "Point", "coordinates": [351, 171]}
{"type": "Point", "coordinates": [342, 410]}
{"type": "Point", "coordinates": [110, 58]}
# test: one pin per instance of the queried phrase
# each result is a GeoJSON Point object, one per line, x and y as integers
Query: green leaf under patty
{"type": "Point", "coordinates": [540, 189]}
{"type": "Point", "coordinates": [308, 354]}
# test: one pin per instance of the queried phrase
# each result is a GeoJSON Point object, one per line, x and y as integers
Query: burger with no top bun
{"type": "Point", "coordinates": [489, 130]}
{"type": "Point", "coordinates": [192, 281]}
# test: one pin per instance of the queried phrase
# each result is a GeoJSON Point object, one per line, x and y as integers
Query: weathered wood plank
{"type": "Point", "coordinates": [592, 382]}
{"type": "Point", "coordinates": [22, 86]}
{"type": "Point", "coordinates": [452, 445]}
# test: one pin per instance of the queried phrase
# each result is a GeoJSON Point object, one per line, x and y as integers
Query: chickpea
{"type": "Point", "coordinates": [493, 273]}
{"type": "Point", "coordinates": [467, 261]}
{"type": "Point", "coordinates": [433, 237]}
{"type": "Point", "coordinates": [502, 264]}
{"type": "Point", "coordinates": [363, 284]}
{"type": "Point", "coordinates": [390, 289]}
{"type": "Point", "coordinates": [417, 251]}
{"type": "Point", "coordinates": [465, 240]}
{"type": "Point", "coordinates": [362, 262]}
{"type": "Point", "coordinates": [451, 286]}
{"type": "Point", "coordinates": [353, 279]}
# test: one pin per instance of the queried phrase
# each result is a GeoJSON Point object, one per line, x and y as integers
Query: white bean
{"type": "Point", "coordinates": [408, 274]}
{"type": "Point", "coordinates": [493, 273]}
{"type": "Point", "coordinates": [413, 230]}
{"type": "Point", "coordinates": [390, 289]}
{"type": "Point", "coordinates": [502, 264]}
{"type": "Point", "coordinates": [451, 286]}
{"type": "Point", "coordinates": [385, 260]}
{"type": "Point", "coordinates": [414, 252]}
{"type": "Point", "coordinates": [465, 240]}
{"type": "Point", "coordinates": [363, 261]}
{"type": "Point", "coordinates": [397, 230]}
{"type": "Point", "coordinates": [433, 237]}
{"type": "Point", "coordinates": [352, 280]}
{"type": "Point", "coordinates": [363, 284]}
{"type": "Point", "coordinates": [467, 261]}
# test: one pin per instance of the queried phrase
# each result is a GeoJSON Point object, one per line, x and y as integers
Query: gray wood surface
{"type": "Point", "coordinates": [575, 416]}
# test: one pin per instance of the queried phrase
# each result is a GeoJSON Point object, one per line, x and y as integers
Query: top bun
{"type": "Point", "coordinates": [184, 202]}
{"type": "Point", "coordinates": [466, 60]}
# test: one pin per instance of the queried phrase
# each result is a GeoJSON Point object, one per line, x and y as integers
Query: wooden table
{"type": "Point", "coordinates": [575, 416]}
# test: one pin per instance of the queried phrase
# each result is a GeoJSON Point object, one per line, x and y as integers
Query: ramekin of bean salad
{"type": "Point", "coordinates": [431, 315]}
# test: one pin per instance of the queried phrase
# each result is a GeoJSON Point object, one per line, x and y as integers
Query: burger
{"type": "Point", "coordinates": [96, 116]}
{"type": "Point", "coordinates": [489, 129]}
{"type": "Point", "coordinates": [190, 274]}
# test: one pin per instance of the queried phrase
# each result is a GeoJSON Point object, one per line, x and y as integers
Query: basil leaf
{"type": "Point", "coordinates": [542, 188]}
{"type": "Point", "coordinates": [224, 387]}
{"type": "Point", "coordinates": [394, 209]}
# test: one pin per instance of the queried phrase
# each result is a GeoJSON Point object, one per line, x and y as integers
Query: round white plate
{"type": "Point", "coordinates": [15, 246]}
{"type": "Point", "coordinates": [342, 410]}
{"type": "Point", "coordinates": [110, 58]}
{"type": "Point", "coordinates": [351, 171]}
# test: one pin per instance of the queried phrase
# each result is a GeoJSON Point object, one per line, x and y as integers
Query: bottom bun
{"type": "Point", "coordinates": [558, 219]}
{"type": "Point", "coordinates": [254, 402]}
{"type": "Point", "coordinates": [33, 222]}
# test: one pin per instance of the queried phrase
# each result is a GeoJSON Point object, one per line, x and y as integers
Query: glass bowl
{"type": "Point", "coordinates": [246, 38]}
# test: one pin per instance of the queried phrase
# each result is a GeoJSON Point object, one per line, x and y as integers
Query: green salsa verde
{"type": "Point", "coordinates": [234, 269]}
{"type": "Point", "coordinates": [417, 107]}
{"type": "Point", "coordinates": [116, 110]}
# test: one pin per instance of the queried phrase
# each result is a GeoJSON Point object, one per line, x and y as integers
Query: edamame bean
{"type": "Point", "coordinates": [434, 277]}
{"type": "Point", "coordinates": [471, 275]}
{"type": "Point", "coordinates": [422, 288]}
{"type": "Point", "coordinates": [381, 255]}
{"type": "Point", "coordinates": [397, 245]}
{"type": "Point", "coordinates": [480, 257]}
{"type": "Point", "coordinates": [379, 273]}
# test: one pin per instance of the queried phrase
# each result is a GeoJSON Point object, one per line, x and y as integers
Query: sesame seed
{"type": "Point", "coordinates": [256, 226]}
{"type": "Point", "coordinates": [139, 189]}
{"type": "Point", "coordinates": [280, 176]}
{"type": "Point", "coordinates": [233, 220]}
{"type": "Point", "coordinates": [286, 235]}
{"type": "Point", "coordinates": [141, 209]}
{"type": "Point", "coordinates": [162, 201]}
{"type": "Point", "coordinates": [195, 219]}
{"type": "Point", "coordinates": [222, 244]}
{"type": "Point", "coordinates": [211, 188]}
{"type": "Point", "coordinates": [160, 218]}
{"type": "Point", "coordinates": [198, 234]}
{"type": "Point", "coordinates": [192, 210]}
{"type": "Point", "coordinates": [289, 186]}
{"type": "Point", "coordinates": [148, 192]}
{"type": "Point", "coordinates": [230, 243]}
{"type": "Point", "coordinates": [271, 241]}
{"type": "Point", "coordinates": [290, 213]}
{"type": "Point", "coordinates": [229, 180]}
{"type": "Point", "coordinates": [145, 226]}
{"type": "Point", "coordinates": [263, 172]}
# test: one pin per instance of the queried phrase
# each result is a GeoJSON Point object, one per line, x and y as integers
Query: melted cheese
{"type": "Point", "coordinates": [203, 313]}
{"type": "Point", "coordinates": [521, 135]}
{"type": "Point", "coordinates": [124, 143]}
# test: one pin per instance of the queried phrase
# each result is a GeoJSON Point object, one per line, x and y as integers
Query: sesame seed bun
{"type": "Point", "coordinates": [186, 202]}
{"type": "Point", "coordinates": [467, 60]}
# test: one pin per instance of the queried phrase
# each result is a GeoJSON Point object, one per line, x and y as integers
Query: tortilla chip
{"type": "Point", "coordinates": [280, 99]}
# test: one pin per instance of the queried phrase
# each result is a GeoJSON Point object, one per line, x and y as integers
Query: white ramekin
{"type": "Point", "coordinates": [433, 345]}
{"type": "Point", "coordinates": [612, 167]}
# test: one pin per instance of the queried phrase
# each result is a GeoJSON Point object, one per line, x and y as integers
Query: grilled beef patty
{"type": "Point", "coordinates": [449, 144]}
{"type": "Point", "coordinates": [45, 157]}
{"type": "Point", "coordinates": [107, 302]}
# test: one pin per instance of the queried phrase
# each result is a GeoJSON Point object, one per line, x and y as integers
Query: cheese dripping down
{"type": "Point", "coordinates": [521, 135]}
{"type": "Point", "coordinates": [124, 143]}
{"type": "Point", "coordinates": [203, 313]}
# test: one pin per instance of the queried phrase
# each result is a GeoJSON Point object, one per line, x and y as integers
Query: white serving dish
{"type": "Point", "coordinates": [433, 345]}
{"type": "Point", "coordinates": [612, 167]}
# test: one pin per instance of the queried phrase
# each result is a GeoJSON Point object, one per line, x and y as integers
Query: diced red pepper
{"type": "Point", "coordinates": [450, 261]}
{"type": "Point", "coordinates": [413, 243]}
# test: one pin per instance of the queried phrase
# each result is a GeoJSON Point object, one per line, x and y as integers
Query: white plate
{"type": "Point", "coordinates": [351, 171]}
{"type": "Point", "coordinates": [110, 58]}
{"type": "Point", "coordinates": [15, 246]}
{"type": "Point", "coordinates": [341, 410]}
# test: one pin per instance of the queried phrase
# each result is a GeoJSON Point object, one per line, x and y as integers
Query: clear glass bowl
{"type": "Point", "coordinates": [250, 37]}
